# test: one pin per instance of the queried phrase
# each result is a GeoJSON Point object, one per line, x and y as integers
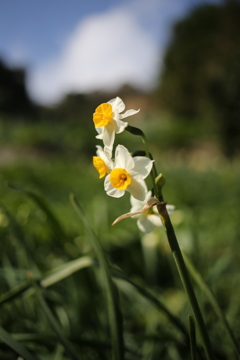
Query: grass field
{"type": "Point", "coordinates": [67, 316]}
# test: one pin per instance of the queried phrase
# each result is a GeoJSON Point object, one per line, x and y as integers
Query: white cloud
{"type": "Point", "coordinates": [103, 52]}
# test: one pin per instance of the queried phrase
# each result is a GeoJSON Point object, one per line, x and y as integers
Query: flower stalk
{"type": "Point", "coordinates": [128, 173]}
{"type": "Point", "coordinates": [177, 255]}
{"type": "Point", "coordinates": [136, 131]}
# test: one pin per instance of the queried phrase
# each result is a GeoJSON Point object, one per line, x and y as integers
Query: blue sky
{"type": "Point", "coordinates": [82, 46]}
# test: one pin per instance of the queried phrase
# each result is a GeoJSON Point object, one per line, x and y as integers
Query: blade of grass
{"type": "Point", "coordinates": [54, 324]}
{"type": "Point", "coordinates": [63, 271]}
{"type": "Point", "coordinates": [154, 300]}
{"type": "Point", "coordinates": [208, 293]}
{"type": "Point", "coordinates": [43, 205]}
{"type": "Point", "coordinates": [49, 340]}
{"type": "Point", "coordinates": [17, 230]}
{"type": "Point", "coordinates": [185, 278]}
{"type": "Point", "coordinates": [66, 270]}
{"type": "Point", "coordinates": [47, 280]}
{"type": "Point", "coordinates": [192, 331]}
{"type": "Point", "coordinates": [115, 320]}
{"type": "Point", "coordinates": [14, 345]}
{"type": "Point", "coordinates": [15, 292]}
{"type": "Point", "coordinates": [54, 276]}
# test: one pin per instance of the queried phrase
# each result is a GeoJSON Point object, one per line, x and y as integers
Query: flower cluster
{"type": "Point", "coordinates": [123, 172]}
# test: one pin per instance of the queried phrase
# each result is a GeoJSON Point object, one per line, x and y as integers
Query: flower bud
{"type": "Point", "coordinates": [160, 181]}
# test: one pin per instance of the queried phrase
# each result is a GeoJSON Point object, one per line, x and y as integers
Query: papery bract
{"type": "Point", "coordinates": [149, 220]}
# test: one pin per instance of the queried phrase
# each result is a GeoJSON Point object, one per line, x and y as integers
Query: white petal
{"type": "Point", "coordinates": [128, 113]}
{"type": "Point", "coordinates": [142, 166]}
{"type": "Point", "coordinates": [108, 152]}
{"type": "Point", "coordinates": [137, 204]}
{"type": "Point", "coordinates": [110, 190]}
{"type": "Point", "coordinates": [148, 223]}
{"type": "Point", "coordinates": [123, 159]}
{"type": "Point", "coordinates": [138, 188]}
{"type": "Point", "coordinates": [116, 193]}
{"type": "Point", "coordinates": [105, 156]}
{"type": "Point", "coordinates": [170, 208]}
{"type": "Point", "coordinates": [100, 153]}
{"type": "Point", "coordinates": [117, 104]}
{"type": "Point", "coordinates": [99, 137]}
{"type": "Point", "coordinates": [155, 220]}
{"type": "Point", "coordinates": [109, 135]}
{"type": "Point", "coordinates": [100, 131]}
{"type": "Point", "coordinates": [107, 184]}
{"type": "Point", "coordinates": [120, 126]}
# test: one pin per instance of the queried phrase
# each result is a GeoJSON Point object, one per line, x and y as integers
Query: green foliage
{"type": "Point", "coordinates": [53, 297]}
{"type": "Point", "coordinates": [201, 76]}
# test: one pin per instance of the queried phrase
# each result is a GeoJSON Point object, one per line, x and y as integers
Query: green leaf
{"type": "Point", "coordinates": [192, 330]}
{"type": "Point", "coordinates": [55, 326]}
{"type": "Point", "coordinates": [154, 300]}
{"type": "Point", "coordinates": [65, 270]}
{"type": "Point", "coordinates": [43, 205]}
{"type": "Point", "coordinates": [85, 342]}
{"type": "Point", "coordinates": [14, 345]}
{"type": "Point", "coordinates": [211, 298]}
{"type": "Point", "coordinates": [15, 292]}
{"type": "Point", "coordinates": [115, 319]}
{"type": "Point", "coordinates": [51, 278]}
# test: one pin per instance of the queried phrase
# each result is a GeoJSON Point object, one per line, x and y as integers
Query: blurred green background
{"type": "Point", "coordinates": [191, 121]}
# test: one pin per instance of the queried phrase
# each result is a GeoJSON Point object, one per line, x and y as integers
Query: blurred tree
{"type": "Point", "coordinates": [80, 106]}
{"type": "Point", "coordinates": [73, 107]}
{"type": "Point", "coordinates": [14, 99]}
{"type": "Point", "coordinates": [201, 75]}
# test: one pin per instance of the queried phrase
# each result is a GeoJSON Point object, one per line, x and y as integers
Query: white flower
{"type": "Point", "coordinates": [128, 174]}
{"type": "Point", "coordinates": [108, 121]}
{"type": "Point", "coordinates": [149, 220]}
{"type": "Point", "coordinates": [102, 162]}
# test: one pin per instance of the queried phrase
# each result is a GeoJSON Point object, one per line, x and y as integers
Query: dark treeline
{"type": "Point", "coordinates": [200, 80]}
{"type": "Point", "coordinates": [201, 76]}
{"type": "Point", "coordinates": [15, 103]}
{"type": "Point", "coordinates": [14, 99]}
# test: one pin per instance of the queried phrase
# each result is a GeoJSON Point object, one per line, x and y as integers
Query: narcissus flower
{"type": "Point", "coordinates": [150, 219]}
{"type": "Point", "coordinates": [128, 174]}
{"type": "Point", "coordinates": [108, 121]}
{"type": "Point", "coordinates": [102, 162]}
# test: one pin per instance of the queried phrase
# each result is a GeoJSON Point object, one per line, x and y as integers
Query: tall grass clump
{"type": "Point", "coordinates": [74, 287]}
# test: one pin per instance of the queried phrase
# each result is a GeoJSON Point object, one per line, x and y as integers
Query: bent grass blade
{"type": "Point", "coordinates": [114, 313]}
{"type": "Point", "coordinates": [53, 323]}
{"type": "Point", "coordinates": [14, 345]}
{"type": "Point", "coordinates": [211, 298]}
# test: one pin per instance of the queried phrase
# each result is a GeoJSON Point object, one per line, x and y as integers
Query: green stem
{"type": "Point", "coordinates": [192, 337]}
{"type": "Point", "coordinates": [177, 255]}
{"type": "Point", "coordinates": [136, 131]}
{"type": "Point", "coordinates": [153, 171]}
{"type": "Point", "coordinates": [186, 280]}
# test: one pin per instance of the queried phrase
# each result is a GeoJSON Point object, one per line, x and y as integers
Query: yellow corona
{"type": "Point", "coordinates": [100, 165]}
{"type": "Point", "coordinates": [103, 115]}
{"type": "Point", "coordinates": [120, 179]}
